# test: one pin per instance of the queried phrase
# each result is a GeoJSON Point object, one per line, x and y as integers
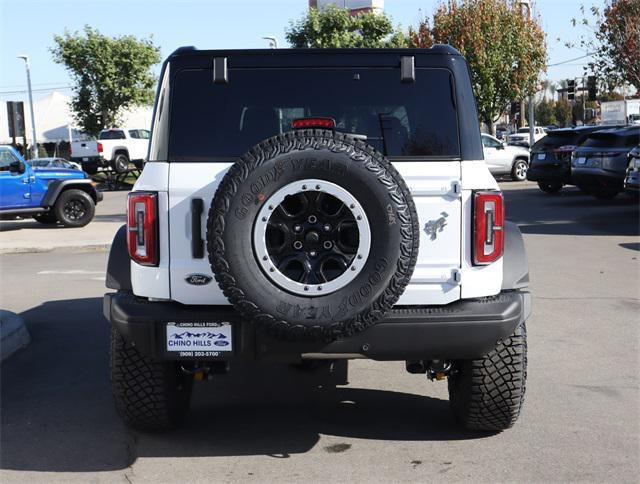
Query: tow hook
{"type": "Point", "coordinates": [439, 370]}
{"type": "Point", "coordinates": [201, 373]}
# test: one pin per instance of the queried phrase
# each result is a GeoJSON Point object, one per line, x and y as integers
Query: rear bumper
{"type": "Point", "coordinates": [598, 176]}
{"type": "Point", "coordinates": [550, 173]}
{"type": "Point", "coordinates": [461, 330]}
{"type": "Point", "coordinates": [632, 181]}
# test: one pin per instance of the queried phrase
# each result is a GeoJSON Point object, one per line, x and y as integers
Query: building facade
{"type": "Point", "coordinates": [355, 6]}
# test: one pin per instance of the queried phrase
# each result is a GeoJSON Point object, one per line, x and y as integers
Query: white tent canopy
{"type": "Point", "coordinates": [54, 119]}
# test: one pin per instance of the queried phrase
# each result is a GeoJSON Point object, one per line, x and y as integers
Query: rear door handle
{"type": "Point", "coordinates": [197, 243]}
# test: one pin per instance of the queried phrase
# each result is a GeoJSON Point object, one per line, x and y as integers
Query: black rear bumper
{"type": "Point", "coordinates": [461, 330]}
{"type": "Point", "coordinates": [550, 173]}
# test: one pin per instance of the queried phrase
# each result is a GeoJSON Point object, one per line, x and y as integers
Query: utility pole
{"type": "Point", "coordinates": [584, 107]}
{"type": "Point", "coordinates": [34, 144]}
{"type": "Point", "coordinates": [527, 6]}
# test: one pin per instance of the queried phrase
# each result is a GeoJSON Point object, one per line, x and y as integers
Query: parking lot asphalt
{"type": "Point", "coordinates": [22, 236]}
{"type": "Point", "coordinates": [580, 422]}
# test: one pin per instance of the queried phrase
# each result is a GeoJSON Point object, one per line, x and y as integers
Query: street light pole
{"type": "Point", "coordinates": [273, 41]}
{"type": "Point", "coordinates": [34, 144]}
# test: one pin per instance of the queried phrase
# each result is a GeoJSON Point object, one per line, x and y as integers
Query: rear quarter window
{"type": "Point", "coordinates": [212, 121]}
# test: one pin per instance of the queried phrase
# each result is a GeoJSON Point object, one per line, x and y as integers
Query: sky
{"type": "Point", "coordinates": [28, 26]}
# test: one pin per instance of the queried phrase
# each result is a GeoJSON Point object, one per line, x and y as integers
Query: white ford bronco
{"type": "Point", "coordinates": [303, 205]}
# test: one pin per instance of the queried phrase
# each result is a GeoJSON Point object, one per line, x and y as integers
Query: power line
{"type": "Point", "coordinates": [49, 89]}
{"type": "Point", "coordinates": [569, 60]}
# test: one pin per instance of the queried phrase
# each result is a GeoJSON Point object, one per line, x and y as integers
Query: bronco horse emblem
{"type": "Point", "coordinates": [432, 227]}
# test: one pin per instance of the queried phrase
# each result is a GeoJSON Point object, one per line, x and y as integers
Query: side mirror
{"type": "Point", "coordinates": [501, 146]}
{"type": "Point", "coordinates": [17, 167]}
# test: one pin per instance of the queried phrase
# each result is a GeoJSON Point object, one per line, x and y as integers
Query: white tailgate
{"type": "Point", "coordinates": [186, 182]}
{"type": "Point", "coordinates": [435, 187]}
{"type": "Point", "coordinates": [437, 193]}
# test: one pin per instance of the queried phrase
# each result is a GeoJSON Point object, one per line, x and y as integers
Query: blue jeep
{"type": "Point", "coordinates": [49, 195]}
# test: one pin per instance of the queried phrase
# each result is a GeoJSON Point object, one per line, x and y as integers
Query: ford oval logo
{"type": "Point", "coordinates": [198, 279]}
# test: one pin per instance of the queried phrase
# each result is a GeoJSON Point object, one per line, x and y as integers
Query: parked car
{"type": "Point", "coordinates": [632, 176]}
{"type": "Point", "coordinates": [550, 163]}
{"type": "Point", "coordinates": [521, 137]}
{"type": "Point", "coordinates": [54, 163]}
{"type": "Point", "coordinates": [49, 195]}
{"type": "Point", "coordinates": [503, 159]}
{"type": "Point", "coordinates": [600, 162]}
{"type": "Point", "coordinates": [307, 206]}
{"type": "Point", "coordinates": [115, 149]}
{"type": "Point", "coordinates": [502, 132]}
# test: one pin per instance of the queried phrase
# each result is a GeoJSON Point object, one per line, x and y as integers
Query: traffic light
{"type": "Point", "coordinates": [591, 86]}
{"type": "Point", "coordinates": [571, 89]}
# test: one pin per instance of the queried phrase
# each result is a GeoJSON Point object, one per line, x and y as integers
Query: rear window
{"type": "Point", "coordinates": [112, 134]}
{"type": "Point", "coordinates": [211, 121]}
{"type": "Point", "coordinates": [555, 139]}
{"type": "Point", "coordinates": [598, 140]}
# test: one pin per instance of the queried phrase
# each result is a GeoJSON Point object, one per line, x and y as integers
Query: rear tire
{"type": "Point", "coordinates": [121, 163]}
{"type": "Point", "coordinates": [74, 208]}
{"type": "Point", "coordinates": [47, 218]}
{"type": "Point", "coordinates": [487, 393]}
{"type": "Point", "coordinates": [550, 187]}
{"type": "Point", "coordinates": [584, 189]}
{"type": "Point", "coordinates": [149, 395]}
{"type": "Point", "coordinates": [519, 170]}
{"type": "Point", "coordinates": [604, 193]}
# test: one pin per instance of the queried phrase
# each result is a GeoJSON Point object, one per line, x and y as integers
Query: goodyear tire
{"type": "Point", "coordinates": [290, 235]}
{"type": "Point", "coordinates": [488, 393]}
{"type": "Point", "coordinates": [149, 395]}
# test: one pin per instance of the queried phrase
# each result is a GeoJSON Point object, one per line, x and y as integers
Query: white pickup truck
{"type": "Point", "coordinates": [114, 148]}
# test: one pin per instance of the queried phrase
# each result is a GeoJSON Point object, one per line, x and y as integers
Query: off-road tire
{"type": "Point", "coordinates": [368, 175]}
{"type": "Point", "coordinates": [488, 393]}
{"type": "Point", "coordinates": [75, 196]}
{"type": "Point", "coordinates": [121, 163]}
{"type": "Point", "coordinates": [551, 188]}
{"type": "Point", "coordinates": [149, 395]}
{"type": "Point", "coordinates": [47, 218]}
{"type": "Point", "coordinates": [519, 170]}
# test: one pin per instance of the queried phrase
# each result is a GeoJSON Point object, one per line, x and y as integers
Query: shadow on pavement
{"type": "Point", "coordinates": [58, 414]}
{"type": "Point", "coordinates": [571, 213]}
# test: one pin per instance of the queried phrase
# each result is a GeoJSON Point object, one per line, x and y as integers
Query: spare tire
{"type": "Point", "coordinates": [313, 234]}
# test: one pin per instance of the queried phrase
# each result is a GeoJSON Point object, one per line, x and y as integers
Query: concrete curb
{"type": "Point", "coordinates": [13, 334]}
{"type": "Point", "coordinates": [37, 249]}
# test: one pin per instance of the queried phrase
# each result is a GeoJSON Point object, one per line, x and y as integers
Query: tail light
{"type": "Point", "coordinates": [302, 123]}
{"type": "Point", "coordinates": [99, 147]}
{"type": "Point", "coordinates": [488, 233]}
{"type": "Point", "coordinates": [142, 228]}
{"type": "Point", "coordinates": [564, 148]}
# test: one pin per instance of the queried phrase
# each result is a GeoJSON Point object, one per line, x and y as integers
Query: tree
{"type": "Point", "coordinates": [334, 27]}
{"type": "Point", "coordinates": [110, 74]}
{"type": "Point", "coordinates": [614, 40]}
{"type": "Point", "coordinates": [545, 113]}
{"type": "Point", "coordinates": [563, 113]}
{"type": "Point", "coordinates": [505, 50]}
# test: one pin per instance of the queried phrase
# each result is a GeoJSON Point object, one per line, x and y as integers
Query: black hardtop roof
{"type": "Point", "coordinates": [438, 49]}
{"type": "Point", "coordinates": [437, 56]}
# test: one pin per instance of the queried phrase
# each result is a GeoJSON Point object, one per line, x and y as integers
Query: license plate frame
{"type": "Point", "coordinates": [210, 340]}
